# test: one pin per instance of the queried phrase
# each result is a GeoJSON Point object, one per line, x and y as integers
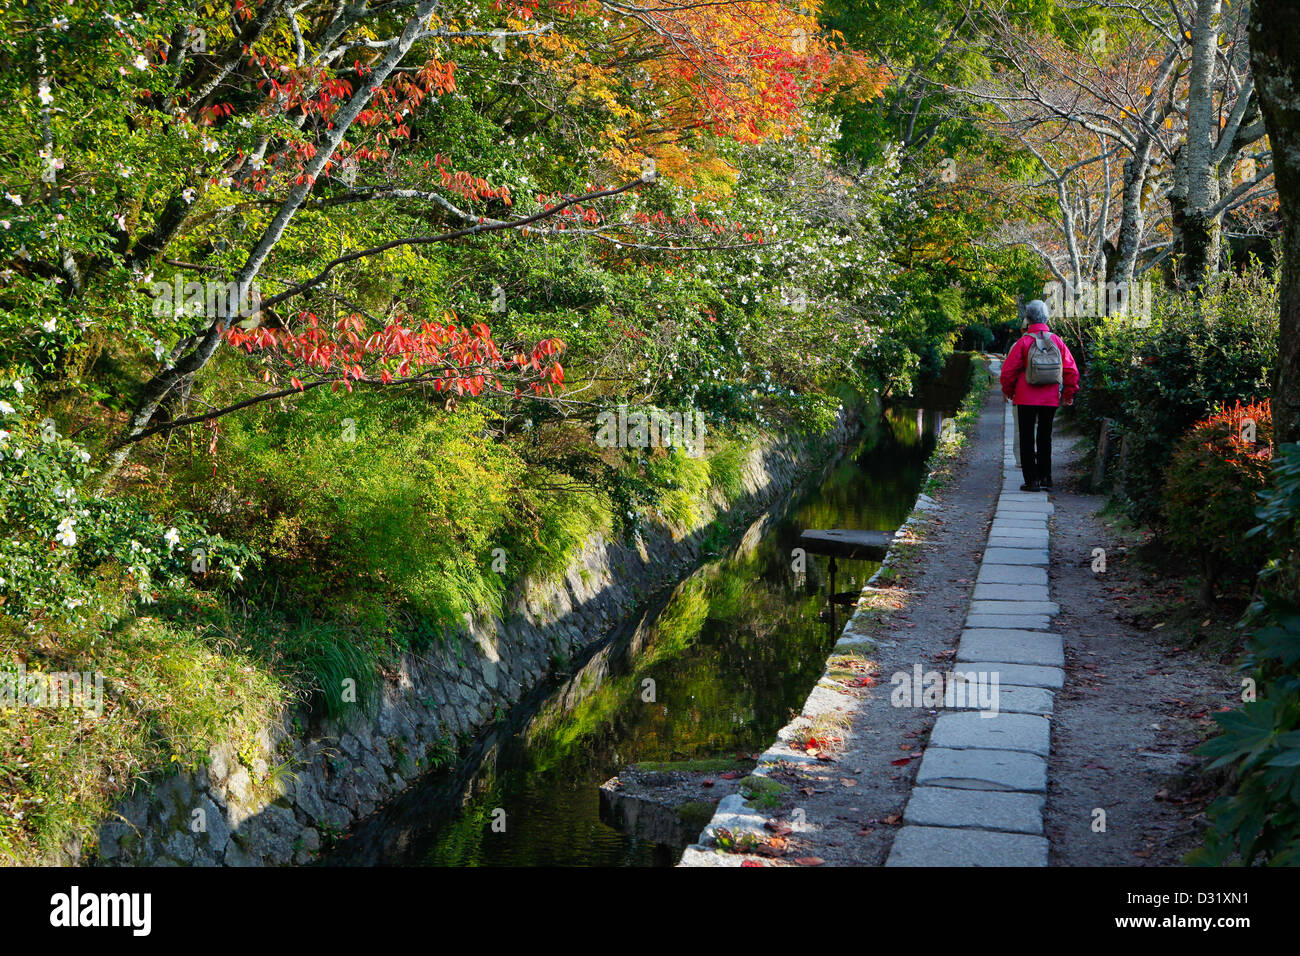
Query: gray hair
{"type": "Point", "coordinates": [1036, 311]}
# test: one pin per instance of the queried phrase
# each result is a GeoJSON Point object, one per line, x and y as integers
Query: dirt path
{"type": "Point", "coordinates": [1134, 704]}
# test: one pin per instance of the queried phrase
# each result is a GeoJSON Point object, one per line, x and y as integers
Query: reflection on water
{"type": "Point", "coordinates": [732, 656]}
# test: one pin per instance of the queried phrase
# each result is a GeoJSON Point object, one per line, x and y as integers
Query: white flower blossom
{"type": "Point", "coordinates": [65, 535]}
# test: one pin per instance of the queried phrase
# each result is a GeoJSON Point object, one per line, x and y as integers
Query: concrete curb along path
{"type": "Point", "coordinates": [980, 791]}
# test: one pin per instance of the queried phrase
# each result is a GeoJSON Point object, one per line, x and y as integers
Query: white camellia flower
{"type": "Point", "coordinates": [6, 408]}
{"type": "Point", "coordinates": [18, 386]}
{"type": "Point", "coordinates": [65, 535]}
{"type": "Point", "coordinates": [140, 63]}
{"type": "Point", "coordinates": [172, 537]}
{"type": "Point", "coordinates": [49, 325]}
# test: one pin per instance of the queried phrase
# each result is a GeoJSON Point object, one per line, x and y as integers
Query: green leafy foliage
{"type": "Point", "coordinates": [1155, 381]}
{"type": "Point", "coordinates": [1258, 818]}
{"type": "Point", "coordinates": [1215, 473]}
{"type": "Point", "coordinates": [58, 540]}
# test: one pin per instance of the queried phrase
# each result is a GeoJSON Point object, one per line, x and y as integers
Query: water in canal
{"type": "Point", "coordinates": [732, 653]}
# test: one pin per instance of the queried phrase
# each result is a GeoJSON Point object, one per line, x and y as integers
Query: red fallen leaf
{"type": "Point", "coordinates": [915, 754]}
{"type": "Point", "coordinates": [780, 829]}
{"type": "Point", "coordinates": [706, 783]}
{"type": "Point", "coordinates": [893, 819]}
{"type": "Point", "coordinates": [809, 860]}
{"type": "Point", "coordinates": [825, 758]}
{"type": "Point", "coordinates": [1198, 715]}
{"type": "Point", "coordinates": [729, 775]}
{"type": "Point", "coordinates": [751, 863]}
{"type": "Point", "coordinates": [900, 762]}
{"type": "Point", "coordinates": [768, 849]}
{"type": "Point", "coordinates": [861, 682]}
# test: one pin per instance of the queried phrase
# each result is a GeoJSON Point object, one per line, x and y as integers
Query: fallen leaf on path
{"type": "Point", "coordinates": [809, 861]}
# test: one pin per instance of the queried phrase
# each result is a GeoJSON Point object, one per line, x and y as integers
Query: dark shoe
{"type": "Point", "coordinates": [1033, 487]}
{"type": "Point", "coordinates": [1046, 484]}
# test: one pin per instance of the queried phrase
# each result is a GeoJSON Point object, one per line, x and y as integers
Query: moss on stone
{"type": "Point", "coordinates": [763, 792]}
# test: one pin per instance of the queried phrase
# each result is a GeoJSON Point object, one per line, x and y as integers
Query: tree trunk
{"type": "Point", "coordinates": [157, 389]}
{"type": "Point", "coordinates": [1196, 189]}
{"type": "Point", "coordinates": [1275, 60]}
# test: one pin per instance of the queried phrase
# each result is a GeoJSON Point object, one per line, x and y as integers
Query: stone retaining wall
{"type": "Point", "coordinates": [310, 778]}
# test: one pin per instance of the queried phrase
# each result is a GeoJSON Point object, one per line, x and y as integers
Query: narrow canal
{"type": "Point", "coordinates": [732, 654]}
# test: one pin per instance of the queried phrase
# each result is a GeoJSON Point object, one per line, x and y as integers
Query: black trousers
{"type": "Point", "coordinates": [1036, 442]}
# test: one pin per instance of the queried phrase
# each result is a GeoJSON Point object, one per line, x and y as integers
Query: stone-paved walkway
{"type": "Point", "coordinates": [980, 790]}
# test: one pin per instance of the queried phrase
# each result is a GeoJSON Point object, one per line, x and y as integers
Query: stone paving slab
{"type": "Point", "coordinates": [1014, 647]}
{"type": "Point", "coordinates": [1011, 592]}
{"type": "Point", "coordinates": [1017, 556]}
{"type": "Point", "coordinates": [1021, 539]}
{"type": "Point", "coordinates": [1038, 505]}
{"type": "Point", "coordinates": [1019, 622]}
{"type": "Point", "coordinates": [941, 846]}
{"type": "Point", "coordinates": [975, 809]}
{"type": "Point", "coordinates": [968, 730]}
{"type": "Point", "coordinates": [1017, 514]}
{"type": "Point", "coordinates": [1011, 574]}
{"type": "Point", "coordinates": [1004, 527]}
{"type": "Point", "coordinates": [991, 606]}
{"type": "Point", "coordinates": [983, 770]}
{"type": "Point", "coordinates": [1011, 699]}
{"type": "Point", "coordinates": [1001, 530]}
{"type": "Point", "coordinates": [1022, 675]}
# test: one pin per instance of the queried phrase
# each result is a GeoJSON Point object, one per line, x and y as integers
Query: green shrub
{"type": "Point", "coordinates": [1216, 471]}
{"type": "Point", "coordinates": [362, 509]}
{"type": "Point", "coordinates": [1279, 512]}
{"type": "Point", "coordinates": [1156, 381]}
{"type": "Point", "coordinates": [59, 541]}
{"type": "Point", "coordinates": [1258, 818]}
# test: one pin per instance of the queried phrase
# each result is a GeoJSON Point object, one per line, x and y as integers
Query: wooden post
{"type": "Point", "coordinates": [1103, 450]}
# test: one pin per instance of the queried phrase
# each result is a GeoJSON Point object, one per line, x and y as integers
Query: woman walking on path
{"type": "Point", "coordinates": [1039, 375]}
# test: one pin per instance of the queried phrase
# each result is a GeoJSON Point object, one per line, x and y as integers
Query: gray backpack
{"type": "Point", "coordinates": [1044, 363]}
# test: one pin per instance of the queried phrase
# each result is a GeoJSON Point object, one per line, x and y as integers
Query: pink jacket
{"type": "Point", "coordinates": [1020, 391]}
